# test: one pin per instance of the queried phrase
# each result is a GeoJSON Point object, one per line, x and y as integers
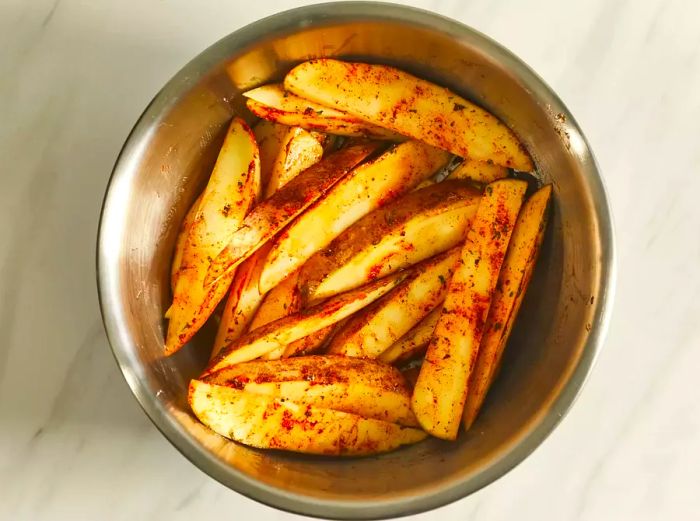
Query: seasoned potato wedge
{"type": "Point", "coordinates": [417, 108]}
{"type": "Point", "coordinates": [267, 422]}
{"type": "Point", "coordinates": [373, 330]}
{"type": "Point", "coordinates": [273, 214]}
{"type": "Point", "coordinates": [479, 171]}
{"type": "Point", "coordinates": [441, 389]}
{"type": "Point", "coordinates": [413, 343]}
{"type": "Point", "coordinates": [185, 228]}
{"type": "Point", "coordinates": [270, 138]}
{"type": "Point", "coordinates": [410, 229]}
{"type": "Point", "coordinates": [363, 387]}
{"type": "Point", "coordinates": [300, 150]}
{"type": "Point", "coordinates": [367, 187]}
{"type": "Point", "coordinates": [311, 343]}
{"type": "Point", "coordinates": [273, 103]}
{"type": "Point", "coordinates": [510, 289]}
{"type": "Point", "coordinates": [281, 301]}
{"type": "Point", "coordinates": [286, 330]}
{"type": "Point", "coordinates": [229, 194]}
{"type": "Point", "coordinates": [244, 299]}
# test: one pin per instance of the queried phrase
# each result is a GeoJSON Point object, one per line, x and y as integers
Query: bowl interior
{"type": "Point", "coordinates": [166, 162]}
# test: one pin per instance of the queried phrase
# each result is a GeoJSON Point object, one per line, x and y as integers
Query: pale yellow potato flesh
{"type": "Point", "coordinates": [363, 387]}
{"type": "Point", "coordinates": [413, 343]}
{"type": "Point", "coordinates": [373, 330]}
{"type": "Point", "coordinates": [367, 187]}
{"type": "Point", "coordinates": [181, 241]}
{"type": "Point", "coordinates": [244, 299]}
{"type": "Point", "coordinates": [270, 137]}
{"type": "Point", "coordinates": [404, 232]}
{"type": "Point", "coordinates": [280, 301]}
{"type": "Point", "coordinates": [510, 289]}
{"type": "Point", "coordinates": [273, 214]}
{"type": "Point", "coordinates": [270, 423]}
{"type": "Point", "coordinates": [393, 99]}
{"type": "Point", "coordinates": [441, 390]}
{"type": "Point", "coordinates": [300, 150]}
{"type": "Point", "coordinates": [294, 150]}
{"type": "Point", "coordinates": [288, 329]}
{"type": "Point", "coordinates": [229, 194]}
{"type": "Point", "coordinates": [272, 102]}
{"type": "Point", "coordinates": [479, 171]}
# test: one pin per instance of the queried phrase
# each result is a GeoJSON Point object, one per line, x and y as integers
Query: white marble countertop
{"type": "Point", "coordinates": [75, 75]}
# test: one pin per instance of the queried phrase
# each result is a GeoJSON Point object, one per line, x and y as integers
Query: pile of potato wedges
{"type": "Point", "coordinates": [364, 250]}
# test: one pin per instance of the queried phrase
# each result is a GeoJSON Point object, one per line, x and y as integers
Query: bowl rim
{"type": "Point", "coordinates": [108, 278]}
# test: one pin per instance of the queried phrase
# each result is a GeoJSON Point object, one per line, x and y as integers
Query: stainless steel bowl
{"type": "Point", "coordinates": [166, 160]}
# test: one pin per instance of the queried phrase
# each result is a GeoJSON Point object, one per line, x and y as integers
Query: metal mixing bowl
{"type": "Point", "coordinates": [166, 160]}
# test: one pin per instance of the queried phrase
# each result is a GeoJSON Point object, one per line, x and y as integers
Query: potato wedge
{"type": "Point", "coordinates": [229, 194]}
{"type": "Point", "coordinates": [273, 103]}
{"type": "Point", "coordinates": [300, 150]}
{"type": "Point", "coordinates": [510, 289]}
{"type": "Point", "coordinates": [286, 330]}
{"type": "Point", "coordinates": [312, 343]}
{"type": "Point", "coordinates": [270, 138]}
{"type": "Point", "coordinates": [281, 301]}
{"type": "Point", "coordinates": [441, 389]}
{"type": "Point", "coordinates": [367, 187]}
{"type": "Point", "coordinates": [273, 214]}
{"type": "Point", "coordinates": [406, 231]}
{"type": "Point", "coordinates": [363, 387]}
{"type": "Point", "coordinates": [296, 150]}
{"type": "Point", "coordinates": [479, 171]}
{"type": "Point", "coordinates": [244, 299]}
{"type": "Point", "coordinates": [413, 343]}
{"type": "Point", "coordinates": [180, 242]}
{"type": "Point", "coordinates": [267, 422]}
{"type": "Point", "coordinates": [417, 108]}
{"type": "Point", "coordinates": [373, 330]}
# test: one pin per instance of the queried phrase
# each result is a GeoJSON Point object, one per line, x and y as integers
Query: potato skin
{"type": "Point", "coordinates": [415, 342]}
{"type": "Point", "coordinates": [364, 387]}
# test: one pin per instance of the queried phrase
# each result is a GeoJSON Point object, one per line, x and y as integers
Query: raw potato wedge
{"type": "Point", "coordinates": [281, 301]}
{"type": "Point", "coordinates": [296, 150]}
{"type": "Point", "coordinates": [270, 423]}
{"type": "Point", "coordinates": [244, 299]}
{"type": "Point", "coordinates": [181, 241]}
{"type": "Point", "coordinates": [413, 343]}
{"type": "Point", "coordinates": [273, 103]}
{"type": "Point", "coordinates": [479, 171]}
{"type": "Point", "coordinates": [406, 231]}
{"type": "Point", "coordinates": [373, 330]}
{"type": "Point", "coordinates": [270, 138]}
{"type": "Point", "coordinates": [367, 187]}
{"type": "Point", "coordinates": [441, 389]}
{"type": "Point", "coordinates": [273, 214]}
{"type": "Point", "coordinates": [363, 387]}
{"type": "Point", "coordinates": [286, 330]}
{"type": "Point", "coordinates": [311, 343]}
{"type": "Point", "coordinates": [300, 150]}
{"type": "Point", "coordinates": [229, 194]}
{"type": "Point", "coordinates": [417, 108]}
{"type": "Point", "coordinates": [512, 283]}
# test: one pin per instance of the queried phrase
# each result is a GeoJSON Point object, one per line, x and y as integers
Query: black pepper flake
{"type": "Point", "coordinates": [459, 106]}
